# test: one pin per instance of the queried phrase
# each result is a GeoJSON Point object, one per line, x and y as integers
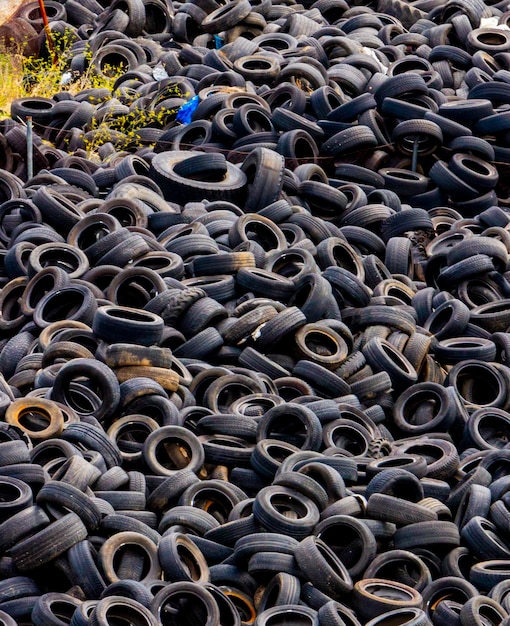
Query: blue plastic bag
{"type": "Point", "coordinates": [185, 113]}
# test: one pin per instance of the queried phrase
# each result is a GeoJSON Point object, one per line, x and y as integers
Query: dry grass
{"type": "Point", "coordinates": [11, 81]}
{"type": "Point", "coordinates": [23, 76]}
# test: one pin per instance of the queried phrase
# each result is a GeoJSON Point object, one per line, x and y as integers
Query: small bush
{"type": "Point", "coordinates": [45, 75]}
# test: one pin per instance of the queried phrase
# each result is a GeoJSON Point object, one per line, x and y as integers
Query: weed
{"type": "Point", "coordinates": [124, 130]}
{"type": "Point", "coordinates": [23, 76]}
{"type": "Point", "coordinates": [40, 76]}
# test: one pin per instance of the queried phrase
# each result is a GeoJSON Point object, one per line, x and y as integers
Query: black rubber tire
{"type": "Point", "coordinates": [322, 567]}
{"type": "Point", "coordinates": [228, 184]}
{"type": "Point", "coordinates": [116, 324]}
{"type": "Point", "coordinates": [264, 171]}
{"type": "Point", "coordinates": [186, 596]}
{"type": "Point", "coordinates": [103, 404]}
{"type": "Point", "coordinates": [265, 509]}
{"type": "Point", "coordinates": [47, 544]}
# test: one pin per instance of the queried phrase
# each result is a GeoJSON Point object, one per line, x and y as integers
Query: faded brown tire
{"type": "Point", "coordinates": [60, 351]}
{"type": "Point", "coordinates": [183, 450]}
{"type": "Point", "coordinates": [167, 378]}
{"type": "Point", "coordinates": [321, 344]}
{"type": "Point", "coordinates": [56, 254]}
{"type": "Point", "coordinates": [90, 229]}
{"type": "Point", "coordinates": [21, 37]}
{"type": "Point", "coordinates": [212, 265]}
{"type": "Point", "coordinates": [129, 355]}
{"type": "Point", "coordinates": [373, 596]}
{"type": "Point", "coordinates": [117, 561]}
{"type": "Point", "coordinates": [481, 610]}
{"type": "Point", "coordinates": [126, 433]}
{"type": "Point", "coordinates": [120, 609]}
{"type": "Point", "coordinates": [288, 614]}
{"type": "Point", "coordinates": [39, 418]}
{"type": "Point", "coordinates": [223, 391]}
{"type": "Point", "coordinates": [49, 543]}
{"type": "Point", "coordinates": [49, 332]}
{"type": "Point", "coordinates": [402, 566]}
{"type": "Point", "coordinates": [181, 559]}
{"type": "Point", "coordinates": [242, 601]}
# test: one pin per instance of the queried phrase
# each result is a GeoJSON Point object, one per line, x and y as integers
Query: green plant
{"type": "Point", "coordinates": [12, 77]}
{"type": "Point", "coordinates": [46, 74]}
{"type": "Point", "coordinates": [125, 130]}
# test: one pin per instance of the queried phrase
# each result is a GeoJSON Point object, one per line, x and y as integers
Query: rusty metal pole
{"type": "Point", "coordinates": [48, 31]}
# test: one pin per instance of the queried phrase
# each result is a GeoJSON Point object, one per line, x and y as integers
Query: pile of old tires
{"type": "Point", "coordinates": [255, 363]}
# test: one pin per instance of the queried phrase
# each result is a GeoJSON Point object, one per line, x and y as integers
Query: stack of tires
{"type": "Point", "coordinates": [255, 355]}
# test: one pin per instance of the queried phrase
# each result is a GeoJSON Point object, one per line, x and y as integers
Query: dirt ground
{"type": "Point", "coordinates": [8, 8]}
